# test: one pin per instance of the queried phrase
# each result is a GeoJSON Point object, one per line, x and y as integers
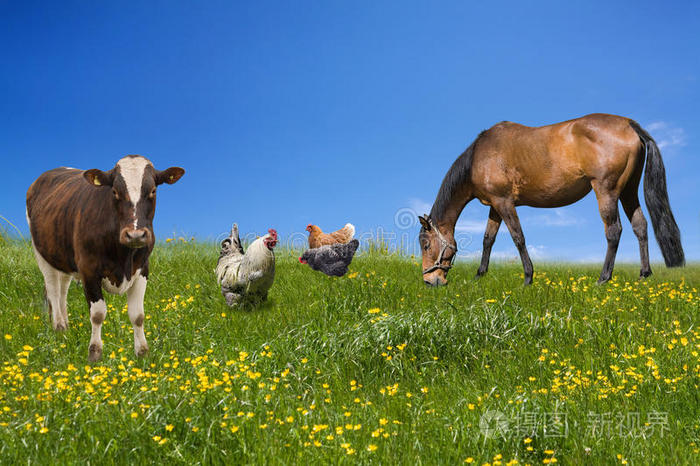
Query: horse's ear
{"type": "Point", "coordinates": [423, 219]}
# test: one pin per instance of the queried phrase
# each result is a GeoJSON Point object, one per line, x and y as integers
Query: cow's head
{"type": "Point", "coordinates": [133, 181]}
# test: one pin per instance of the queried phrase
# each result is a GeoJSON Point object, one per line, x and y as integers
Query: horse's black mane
{"type": "Point", "coordinates": [455, 178]}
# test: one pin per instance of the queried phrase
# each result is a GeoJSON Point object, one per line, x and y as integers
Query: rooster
{"type": "Point", "coordinates": [331, 259]}
{"type": "Point", "coordinates": [318, 238]}
{"type": "Point", "coordinates": [246, 277]}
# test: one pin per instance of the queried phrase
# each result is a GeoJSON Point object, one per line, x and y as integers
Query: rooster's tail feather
{"type": "Point", "coordinates": [236, 239]}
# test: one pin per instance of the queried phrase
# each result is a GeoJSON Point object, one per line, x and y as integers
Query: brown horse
{"type": "Point", "coordinates": [552, 166]}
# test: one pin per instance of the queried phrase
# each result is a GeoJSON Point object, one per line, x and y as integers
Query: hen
{"type": "Point", "coordinates": [318, 238]}
{"type": "Point", "coordinates": [246, 277]}
{"type": "Point", "coordinates": [331, 259]}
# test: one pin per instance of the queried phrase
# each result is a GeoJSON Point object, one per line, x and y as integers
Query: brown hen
{"type": "Point", "coordinates": [318, 238]}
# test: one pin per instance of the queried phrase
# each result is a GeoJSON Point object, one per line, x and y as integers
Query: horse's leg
{"type": "Point", "coordinates": [494, 222]}
{"type": "Point", "coordinates": [607, 205]}
{"type": "Point", "coordinates": [630, 203]}
{"type": "Point", "coordinates": [507, 212]}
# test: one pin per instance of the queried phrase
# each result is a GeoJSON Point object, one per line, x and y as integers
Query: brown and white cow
{"type": "Point", "coordinates": [97, 227]}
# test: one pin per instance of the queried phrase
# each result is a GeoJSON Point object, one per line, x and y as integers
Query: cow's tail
{"type": "Point", "coordinates": [656, 196]}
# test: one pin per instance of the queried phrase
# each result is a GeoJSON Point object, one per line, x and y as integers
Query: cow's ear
{"type": "Point", "coordinates": [169, 175]}
{"type": "Point", "coordinates": [97, 177]}
{"type": "Point", "coordinates": [424, 222]}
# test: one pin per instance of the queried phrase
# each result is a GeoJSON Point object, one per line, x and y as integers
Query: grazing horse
{"type": "Point", "coordinates": [97, 227]}
{"type": "Point", "coordinates": [510, 165]}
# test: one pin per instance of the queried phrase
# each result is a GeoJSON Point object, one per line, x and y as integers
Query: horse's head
{"type": "Point", "coordinates": [438, 252]}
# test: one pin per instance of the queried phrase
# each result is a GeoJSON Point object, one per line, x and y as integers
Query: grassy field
{"type": "Point", "coordinates": [369, 368]}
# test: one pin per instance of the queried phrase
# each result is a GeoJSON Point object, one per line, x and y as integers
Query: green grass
{"type": "Point", "coordinates": [331, 368]}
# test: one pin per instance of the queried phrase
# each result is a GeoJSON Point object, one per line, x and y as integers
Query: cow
{"type": "Point", "coordinates": [97, 227]}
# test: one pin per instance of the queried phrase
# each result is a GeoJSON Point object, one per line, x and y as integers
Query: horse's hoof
{"type": "Point", "coordinates": [643, 274]}
{"type": "Point", "coordinates": [602, 281]}
{"type": "Point", "coordinates": [95, 353]}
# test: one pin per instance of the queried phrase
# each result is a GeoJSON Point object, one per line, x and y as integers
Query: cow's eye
{"type": "Point", "coordinates": [116, 194]}
{"type": "Point", "coordinates": [152, 194]}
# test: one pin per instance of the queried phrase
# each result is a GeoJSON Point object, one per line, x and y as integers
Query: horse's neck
{"type": "Point", "coordinates": [447, 227]}
{"type": "Point", "coordinates": [447, 223]}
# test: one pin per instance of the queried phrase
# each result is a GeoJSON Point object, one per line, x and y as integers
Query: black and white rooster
{"type": "Point", "coordinates": [246, 277]}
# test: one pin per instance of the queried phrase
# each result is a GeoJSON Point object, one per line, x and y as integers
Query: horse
{"type": "Point", "coordinates": [510, 165]}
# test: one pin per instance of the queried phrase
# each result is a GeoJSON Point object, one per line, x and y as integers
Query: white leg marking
{"type": "Point", "coordinates": [52, 284]}
{"type": "Point", "coordinates": [98, 312]}
{"type": "Point", "coordinates": [65, 280]}
{"type": "Point", "coordinates": [134, 299]}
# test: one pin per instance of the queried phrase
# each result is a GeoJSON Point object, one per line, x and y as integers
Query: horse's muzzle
{"type": "Point", "coordinates": [435, 281]}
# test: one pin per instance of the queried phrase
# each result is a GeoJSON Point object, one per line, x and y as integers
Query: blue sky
{"type": "Point", "coordinates": [288, 113]}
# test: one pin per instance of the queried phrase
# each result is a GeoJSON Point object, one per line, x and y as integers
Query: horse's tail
{"type": "Point", "coordinates": [656, 196]}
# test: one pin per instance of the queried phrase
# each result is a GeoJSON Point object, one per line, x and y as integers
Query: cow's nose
{"type": "Point", "coordinates": [136, 235]}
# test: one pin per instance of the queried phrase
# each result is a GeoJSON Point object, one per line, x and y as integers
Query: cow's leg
{"type": "Point", "coordinates": [98, 312]}
{"type": "Point", "coordinates": [65, 280]}
{"type": "Point", "coordinates": [137, 316]}
{"type": "Point", "coordinates": [52, 286]}
{"type": "Point", "coordinates": [492, 226]}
